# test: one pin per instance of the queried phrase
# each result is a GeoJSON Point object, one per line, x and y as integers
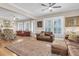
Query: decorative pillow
{"type": "Point", "coordinates": [72, 37]}
{"type": "Point", "coordinates": [42, 34]}
{"type": "Point", "coordinates": [47, 34]}
{"type": "Point", "coordinates": [77, 38]}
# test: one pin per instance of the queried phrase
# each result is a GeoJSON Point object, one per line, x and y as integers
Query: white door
{"type": "Point", "coordinates": [58, 26]}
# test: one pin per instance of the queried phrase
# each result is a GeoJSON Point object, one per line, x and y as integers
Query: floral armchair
{"type": "Point", "coordinates": [8, 34]}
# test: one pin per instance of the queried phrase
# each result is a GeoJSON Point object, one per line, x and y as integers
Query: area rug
{"type": "Point", "coordinates": [31, 48]}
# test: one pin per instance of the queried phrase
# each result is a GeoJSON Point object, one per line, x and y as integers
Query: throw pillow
{"type": "Point", "coordinates": [72, 37]}
{"type": "Point", "coordinates": [42, 34]}
{"type": "Point", "coordinates": [77, 38]}
{"type": "Point", "coordinates": [48, 33]}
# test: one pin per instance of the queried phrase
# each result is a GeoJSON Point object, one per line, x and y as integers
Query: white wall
{"type": "Point", "coordinates": [39, 29]}
{"type": "Point", "coordinates": [65, 14]}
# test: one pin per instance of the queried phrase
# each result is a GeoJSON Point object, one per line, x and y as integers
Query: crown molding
{"type": "Point", "coordinates": [14, 8]}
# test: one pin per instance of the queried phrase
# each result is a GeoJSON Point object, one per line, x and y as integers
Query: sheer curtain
{"type": "Point", "coordinates": [20, 26]}
{"type": "Point", "coordinates": [33, 26]}
{"type": "Point", "coordinates": [48, 26]}
{"type": "Point", "coordinates": [26, 26]}
{"type": "Point", "coordinates": [23, 26]}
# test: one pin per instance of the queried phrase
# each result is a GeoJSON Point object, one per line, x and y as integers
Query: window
{"type": "Point", "coordinates": [57, 26]}
{"type": "Point", "coordinates": [48, 25]}
{"type": "Point", "coordinates": [23, 26]}
{"type": "Point", "coordinates": [26, 26]}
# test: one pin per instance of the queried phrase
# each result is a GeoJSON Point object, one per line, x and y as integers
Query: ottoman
{"type": "Point", "coordinates": [59, 47]}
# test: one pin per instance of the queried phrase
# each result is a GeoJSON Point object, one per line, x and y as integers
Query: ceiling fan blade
{"type": "Point", "coordinates": [43, 5]}
{"type": "Point", "coordinates": [56, 7]}
{"type": "Point", "coordinates": [52, 4]}
{"type": "Point", "coordinates": [49, 4]}
{"type": "Point", "coordinates": [44, 9]}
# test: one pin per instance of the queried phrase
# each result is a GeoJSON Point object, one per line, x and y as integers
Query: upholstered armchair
{"type": "Point", "coordinates": [9, 34]}
{"type": "Point", "coordinates": [0, 34]}
{"type": "Point", "coordinates": [45, 36]}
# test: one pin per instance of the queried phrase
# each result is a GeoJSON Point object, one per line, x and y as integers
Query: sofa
{"type": "Point", "coordinates": [68, 46]}
{"type": "Point", "coordinates": [73, 48]}
{"type": "Point", "coordinates": [23, 33]}
{"type": "Point", "coordinates": [72, 44]}
{"type": "Point", "coordinates": [45, 36]}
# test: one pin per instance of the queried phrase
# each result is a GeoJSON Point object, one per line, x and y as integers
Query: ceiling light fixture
{"type": "Point", "coordinates": [14, 18]}
{"type": "Point", "coordinates": [50, 9]}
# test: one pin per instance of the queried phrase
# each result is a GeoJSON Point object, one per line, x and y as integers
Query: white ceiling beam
{"type": "Point", "coordinates": [17, 9]}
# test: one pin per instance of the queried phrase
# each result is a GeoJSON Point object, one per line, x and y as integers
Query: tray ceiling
{"type": "Point", "coordinates": [33, 10]}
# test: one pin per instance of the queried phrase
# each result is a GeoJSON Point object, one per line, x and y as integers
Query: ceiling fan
{"type": "Point", "coordinates": [50, 6]}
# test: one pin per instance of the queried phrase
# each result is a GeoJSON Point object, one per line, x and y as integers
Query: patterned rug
{"type": "Point", "coordinates": [31, 48]}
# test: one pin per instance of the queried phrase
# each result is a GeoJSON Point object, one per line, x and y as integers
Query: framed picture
{"type": "Point", "coordinates": [39, 24]}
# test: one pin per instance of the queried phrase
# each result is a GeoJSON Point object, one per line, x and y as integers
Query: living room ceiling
{"type": "Point", "coordinates": [9, 14]}
{"type": "Point", "coordinates": [36, 8]}
{"type": "Point", "coordinates": [33, 10]}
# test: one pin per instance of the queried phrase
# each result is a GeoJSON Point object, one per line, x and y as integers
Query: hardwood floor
{"type": "Point", "coordinates": [3, 43]}
{"type": "Point", "coordinates": [3, 50]}
{"type": "Point", "coordinates": [6, 52]}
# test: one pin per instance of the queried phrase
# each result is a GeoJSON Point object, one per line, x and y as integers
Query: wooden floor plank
{"type": "Point", "coordinates": [6, 52]}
